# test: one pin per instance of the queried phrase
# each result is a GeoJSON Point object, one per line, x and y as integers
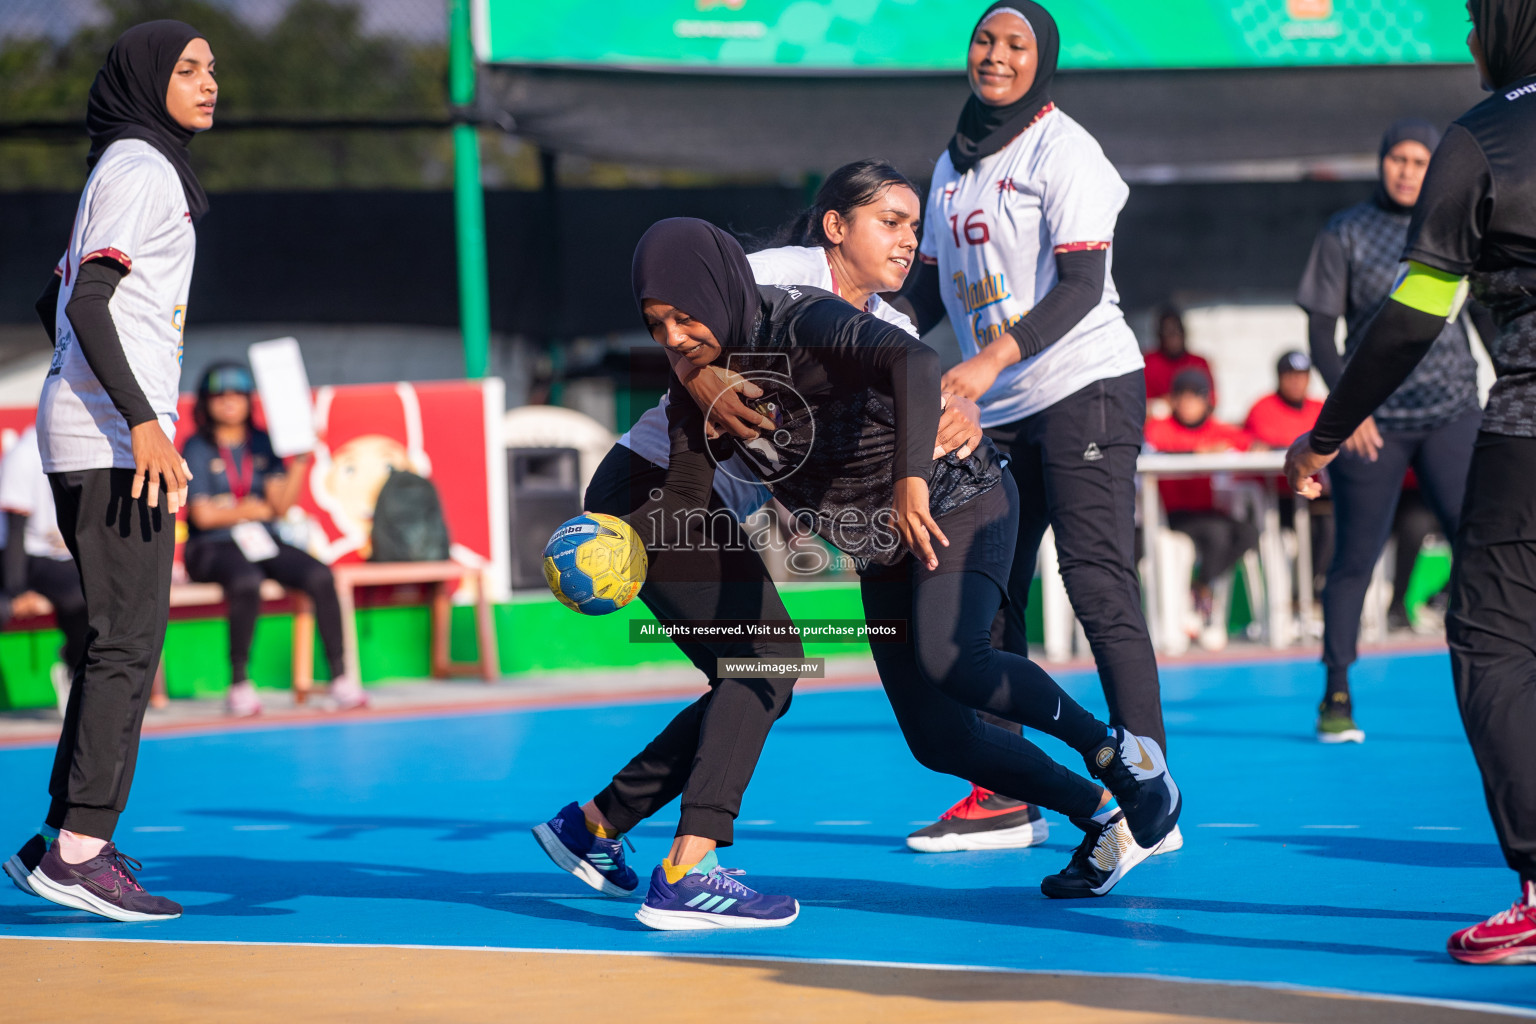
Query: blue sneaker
{"type": "Point", "coordinates": [711, 899]}
{"type": "Point", "coordinates": [598, 862]}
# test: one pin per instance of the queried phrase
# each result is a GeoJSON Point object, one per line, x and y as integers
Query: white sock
{"type": "Point", "coordinates": [75, 848]}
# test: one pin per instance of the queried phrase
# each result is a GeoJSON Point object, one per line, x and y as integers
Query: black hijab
{"type": "Point", "coordinates": [128, 100]}
{"type": "Point", "coordinates": [693, 265]}
{"type": "Point", "coordinates": [983, 130]}
{"type": "Point", "coordinates": [1507, 31]}
{"type": "Point", "coordinates": [1407, 129]}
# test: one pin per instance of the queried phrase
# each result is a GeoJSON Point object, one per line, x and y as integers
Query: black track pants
{"type": "Point", "coordinates": [122, 549]}
{"type": "Point", "coordinates": [1075, 466]}
{"type": "Point", "coordinates": [59, 581]}
{"type": "Point", "coordinates": [1491, 628]}
{"type": "Point", "coordinates": [706, 754]}
{"type": "Point", "coordinates": [1365, 496]}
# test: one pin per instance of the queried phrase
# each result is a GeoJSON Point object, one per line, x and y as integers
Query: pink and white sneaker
{"type": "Point", "coordinates": [347, 694]}
{"type": "Point", "coordinates": [1508, 937]}
{"type": "Point", "coordinates": [241, 701]}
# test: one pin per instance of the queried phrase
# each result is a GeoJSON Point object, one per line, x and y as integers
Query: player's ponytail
{"type": "Point", "coordinates": [845, 190]}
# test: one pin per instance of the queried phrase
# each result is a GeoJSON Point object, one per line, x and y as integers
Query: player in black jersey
{"type": "Point", "coordinates": [852, 456]}
{"type": "Point", "coordinates": [1476, 220]}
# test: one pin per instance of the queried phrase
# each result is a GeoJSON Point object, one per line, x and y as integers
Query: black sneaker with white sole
{"type": "Point", "coordinates": [1133, 769]}
{"type": "Point", "coordinates": [103, 885]}
{"type": "Point", "coordinates": [1104, 856]}
{"type": "Point", "coordinates": [19, 867]}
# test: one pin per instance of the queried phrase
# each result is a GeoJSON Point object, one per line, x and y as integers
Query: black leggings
{"type": "Point", "coordinates": [708, 752]}
{"type": "Point", "coordinates": [221, 562]}
{"type": "Point", "coordinates": [1365, 496]}
{"type": "Point", "coordinates": [948, 669]}
{"type": "Point", "coordinates": [1220, 541]}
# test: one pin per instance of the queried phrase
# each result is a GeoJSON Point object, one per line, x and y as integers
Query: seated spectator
{"type": "Point", "coordinates": [239, 488]}
{"type": "Point", "coordinates": [1220, 540]}
{"type": "Point", "coordinates": [1171, 357]}
{"type": "Point", "coordinates": [38, 565]}
{"type": "Point", "coordinates": [1280, 418]}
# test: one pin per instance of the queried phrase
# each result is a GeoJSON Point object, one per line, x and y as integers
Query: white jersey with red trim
{"type": "Point", "coordinates": [994, 232]}
{"type": "Point", "coordinates": [133, 210]}
{"type": "Point", "coordinates": [787, 265]}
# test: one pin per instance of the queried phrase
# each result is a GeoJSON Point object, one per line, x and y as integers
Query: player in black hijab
{"type": "Point", "coordinates": [128, 100]}
{"type": "Point", "coordinates": [1476, 219]}
{"type": "Point", "coordinates": [985, 129]}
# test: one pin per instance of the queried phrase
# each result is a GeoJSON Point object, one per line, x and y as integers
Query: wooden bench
{"type": "Point", "coordinates": [202, 595]}
{"type": "Point", "coordinates": [437, 576]}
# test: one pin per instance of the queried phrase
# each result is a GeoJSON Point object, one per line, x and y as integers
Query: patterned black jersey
{"type": "Point", "coordinates": [855, 406]}
{"type": "Point", "coordinates": [1353, 266]}
{"type": "Point", "coordinates": [1477, 216]}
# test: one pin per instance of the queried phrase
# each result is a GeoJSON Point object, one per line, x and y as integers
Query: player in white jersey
{"type": "Point", "coordinates": [1016, 245]}
{"type": "Point", "coordinates": [104, 427]}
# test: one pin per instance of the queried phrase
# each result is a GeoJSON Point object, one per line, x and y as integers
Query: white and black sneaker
{"type": "Point", "coordinates": [1104, 856]}
{"type": "Point", "coordinates": [1133, 769]}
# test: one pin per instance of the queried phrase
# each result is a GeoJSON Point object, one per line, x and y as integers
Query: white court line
{"type": "Point", "coordinates": [1226, 824]}
{"type": "Point", "coordinates": [1331, 826]}
{"type": "Point", "coordinates": [159, 828]}
{"type": "Point", "coordinates": [1275, 986]}
{"type": "Point", "coordinates": [758, 821]}
{"type": "Point", "coordinates": [845, 823]}
{"type": "Point", "coordinates": [261, 828]}
{"type": "Point", "coordinates": [1437, 828]}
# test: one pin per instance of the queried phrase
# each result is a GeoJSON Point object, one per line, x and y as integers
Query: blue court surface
{"type": "Point", "coordinates": [1340, 868]}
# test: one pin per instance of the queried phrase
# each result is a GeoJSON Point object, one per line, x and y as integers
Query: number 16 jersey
{"type": "Point", "coordinates": [994, 232]}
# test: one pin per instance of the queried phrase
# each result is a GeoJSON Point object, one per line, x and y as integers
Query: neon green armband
{"type": "Point", "coordinates": [1429, 290]}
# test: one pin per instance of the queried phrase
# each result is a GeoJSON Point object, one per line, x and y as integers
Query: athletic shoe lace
{"type": "Point", "coordinates": [1512, 915]}
{"type": "Point", "coordinates": [125, 866]}
{"type": "Point", "coordinates": [964, 808]}
{"type": "Point", "coordinates": [720, 878]}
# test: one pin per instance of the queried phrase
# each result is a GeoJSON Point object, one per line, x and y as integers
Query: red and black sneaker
{"type": "Point", "coordinates": [1508, 937]}
{"type": "Point", "coordinates": [984, 820]}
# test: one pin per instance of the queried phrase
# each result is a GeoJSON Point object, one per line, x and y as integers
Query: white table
{"type": "Point", "coordinates": [1155, 466]}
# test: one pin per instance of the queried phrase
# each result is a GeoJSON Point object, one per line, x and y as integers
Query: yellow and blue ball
{"type": "Point", "coordinates": [595, 563]}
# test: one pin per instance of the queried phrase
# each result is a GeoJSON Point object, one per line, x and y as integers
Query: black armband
{"type": "Point", "coordinates": [1397, 339]}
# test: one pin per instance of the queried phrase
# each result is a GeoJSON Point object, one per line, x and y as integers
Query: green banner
{"type": "Point", "coordinates": [878, 36]}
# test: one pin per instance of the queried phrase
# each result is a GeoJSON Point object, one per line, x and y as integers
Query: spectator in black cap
{"type": "Point", "coordinates": [1220, 540]}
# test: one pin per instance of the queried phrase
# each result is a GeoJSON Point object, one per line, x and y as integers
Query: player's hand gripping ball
{"type": "Point", "coordinates": [595, 563]}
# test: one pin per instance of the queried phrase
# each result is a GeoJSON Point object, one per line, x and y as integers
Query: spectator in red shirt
{"type": "Point", "coordinates": [1278, 419]}
{"type": "Point", "coordinates": [1171, 358]}
{"type": "Point", "coordinates": [1220, 540]}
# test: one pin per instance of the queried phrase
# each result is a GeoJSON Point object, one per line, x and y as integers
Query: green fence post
{"type": "Point", "coordinates": [468, 198]}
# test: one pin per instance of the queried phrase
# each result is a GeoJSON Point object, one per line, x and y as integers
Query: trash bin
{"type": "Point", "coordinates": [544, 490]}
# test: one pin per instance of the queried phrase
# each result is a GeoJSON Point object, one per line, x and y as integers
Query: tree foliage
{"type": "Point", "coordinates": [314, 63]}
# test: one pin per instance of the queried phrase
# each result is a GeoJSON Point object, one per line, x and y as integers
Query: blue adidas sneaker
{"type": "Point", "coordinates": [710, 897]}
{"type": "Point", "coordinates": [598, 862]}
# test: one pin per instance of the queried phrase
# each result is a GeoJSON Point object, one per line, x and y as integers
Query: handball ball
{"type": "Point", "coordinates": [595, 563]}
